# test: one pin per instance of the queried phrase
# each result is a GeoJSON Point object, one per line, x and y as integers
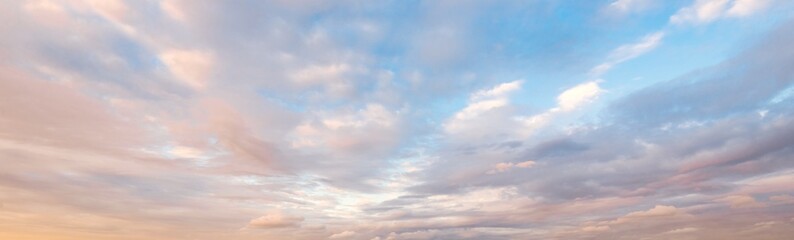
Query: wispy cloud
{"type": "Point", "coordinates": [627, 52]}
{"type": "Point", "coordinates": [705, 11]}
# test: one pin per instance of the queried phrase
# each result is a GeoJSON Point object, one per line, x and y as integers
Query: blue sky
{"type": "Point", "coordinates": [375, 120]}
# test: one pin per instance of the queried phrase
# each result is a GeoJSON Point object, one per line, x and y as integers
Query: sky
{"type": "Point", "coordinates": [386, 120]}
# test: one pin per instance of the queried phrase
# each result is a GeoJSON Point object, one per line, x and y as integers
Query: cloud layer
{"type": "Point", "coordinates": [396, 120]}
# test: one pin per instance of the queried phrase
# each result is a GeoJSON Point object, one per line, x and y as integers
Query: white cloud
{"type": "Point", "coordinates": [526, 164]}
{"type": "Point", "coordinates": [316, 74]}
{"type": "Point", "coordinates": [658, 211]}
{"type": "Point", "coordinates": [595, 228]}
{"type": "Point", "coordinates": [373, 126]}
{"type": "Point", "coordinates": [627, 52]}
{"type": "Point", "coordinates": [782, 199]}
{"type": "Point", "coordinates": [186, 152]}
{"type": "Point", "coordinates": [173, 10]}
{"type": "Point", "coordinates": [774, 183]}
{"type": "Point", "coordinates": [578, 95]}
{"type": "Point", "coordinates": [482, 107]}
{"type": "Point", "coordinates": [656, 215]}
{"type": "Point", "coordinates": [706, 11]}
{"type": "Point", "coordinates": [115, 11]}
{"type": "Point", "coordinates": [49, 13]}
{"type": "Point", "coordinates": [627, 6]}
{"type": "Point", "coordinates": [275, 219]}
{"type": "Point", "coordinates": [342, 235]}
{"type": "Point", "coordinates": [192, 67]}
{"type": "Point", "coordinates": [569, 100]}
{"type": "Point", "coordinates": [337, 78]}
{"type": "Point", "coordinates": [743, 8]}
{"type": "Point", "coordinates": [647, 43]}
{"type": "Point", "coordinates": [480, 103]}
{"type": "Point", "coordinates": [702, 11]}
{"type": "Point", "coordinates": [682, 230]}
{"type": "Point", "coordinates": [741, 201]}
{"type": "Point", "coordinates": [505, 166]}
{"type": "Point", "coordinates": [498, 91]}
{"type": "Point", "coordinates": [477, 108]}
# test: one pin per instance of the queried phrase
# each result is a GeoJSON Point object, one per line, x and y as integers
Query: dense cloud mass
{"type": "Point", "coordinates": [376, 120]}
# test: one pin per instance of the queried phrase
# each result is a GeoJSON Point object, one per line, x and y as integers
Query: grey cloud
{"type": "Point", "coordinates": [557, 148]}
{"type": "Point", "coordinates": [652, 148]}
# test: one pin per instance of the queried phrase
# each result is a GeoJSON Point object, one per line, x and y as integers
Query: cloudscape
{"type": "Point", "coordinates": [386, 120]}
